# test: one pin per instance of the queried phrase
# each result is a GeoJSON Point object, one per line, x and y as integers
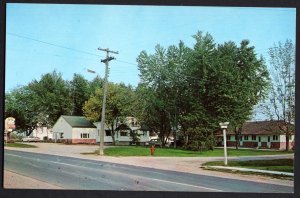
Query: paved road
{"type": "Point", "coordinates": [83, 174]}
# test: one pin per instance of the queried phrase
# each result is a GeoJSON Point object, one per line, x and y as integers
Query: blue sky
{"type": "Point", "coordinates": [127, 29]}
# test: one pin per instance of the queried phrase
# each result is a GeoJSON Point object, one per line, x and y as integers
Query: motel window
{"type": "Point", "coordinates": [108, 132]}
{"type": "Point", "coordinates": [246, 137]}
{"type": "Point", "coordinates": [85, 135]}
{"type": "Point", "coordinates": [253, 137]}
{"type": "Point", "coordinates": [275, 137]}
{"type": "Point", "coordinates": [122, 133]}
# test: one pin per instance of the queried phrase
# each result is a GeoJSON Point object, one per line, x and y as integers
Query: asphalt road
{"type": "Point", "coordinates": [83, 174]}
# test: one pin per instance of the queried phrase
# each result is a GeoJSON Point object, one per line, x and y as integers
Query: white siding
{"type": "Point", "coordinates": [77, 133]}
{"type": "Point", "coordinates": [61, 126]}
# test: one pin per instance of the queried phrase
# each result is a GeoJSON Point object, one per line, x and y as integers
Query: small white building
{"type": "Point", "coordinates": [41, 133]}
{"type": "Point", "coordinates": [74, 129]}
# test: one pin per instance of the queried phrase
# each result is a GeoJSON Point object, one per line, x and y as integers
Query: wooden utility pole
{"type": "Point", "coordinates": [106, 61]}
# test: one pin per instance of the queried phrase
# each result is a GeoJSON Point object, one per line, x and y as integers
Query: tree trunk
{"type": "Point", "coordinates": [113, 134]}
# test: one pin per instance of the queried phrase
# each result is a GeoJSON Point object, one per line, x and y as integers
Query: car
{"type": "Point", "coordinates": [31, 139]}
{"type": "Point", "coordinates": [155, 142]}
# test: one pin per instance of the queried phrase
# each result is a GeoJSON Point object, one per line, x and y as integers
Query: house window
{"type": "Point", "coordinates": [108, 132]}
{"type": "Point", "coordinates": [61, 135]}
{"type": "Point", "coordinates": [269, 138]}
{"type": "Point", "coordinates": [259, 139]}
{"type": "Point", "coordinates": [144, 133]}
{"type": "Point", "coordinates": [85, 135]}
{"type": "Point", "coordinates": [253, 137]}
{"type": "Point", "coordinates": [275, 137]}
{"type": "Point", "coordinates": [228, 137]}
{"type": "Point", "coordinates": [123, 133]}
{"type": "Point", "coordinates": [241, 138]}
{"type": "Point", "coordinates": [246, 137]}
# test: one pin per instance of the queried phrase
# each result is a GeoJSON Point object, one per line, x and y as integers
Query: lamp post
{"type": "Point", "coordinates": [223, 126]}
{"type": "Point", "coordinates": [100, 131]}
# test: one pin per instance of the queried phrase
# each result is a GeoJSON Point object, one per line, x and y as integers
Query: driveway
{"type": "Point", "coordinates": [180, 164]}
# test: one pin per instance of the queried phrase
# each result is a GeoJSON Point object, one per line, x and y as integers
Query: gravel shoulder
{"type": "Point", "coordinates": [16, 181]}
{"type": "Point", "coordinates": [180, 164]}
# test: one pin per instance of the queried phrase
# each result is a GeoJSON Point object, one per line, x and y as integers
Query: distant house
{"type": "Point", "coordinates": [261, 134]}
{"type": "Point", "coordinates": [123, 130]}
{"type": "Point", "coordinates": [74, 129]}
{"type": "Point", "coordinates": [77, 129]}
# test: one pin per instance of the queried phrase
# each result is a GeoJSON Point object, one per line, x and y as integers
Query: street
{"type": "Point", "coordinates": [86, 174]}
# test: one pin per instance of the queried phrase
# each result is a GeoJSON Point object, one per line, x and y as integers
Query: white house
{"type": "Point", "coordinates": [122, 132]}
{"type": "Point", "coordinates": [42, 132]}
{"type": "Point", "coordinates": [74, 129]}
{"type": "Point", "coordinates": [77, 129]}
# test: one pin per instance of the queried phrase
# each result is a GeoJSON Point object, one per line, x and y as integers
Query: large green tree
{"type": "Point", "coordinates": [80, 93]}
{"type": "Point", "coordinates": [196, 88]}
{"type": "Point", "coordinates": [40, 103]}
{"type": "Point", "coordinates": [118, 105]}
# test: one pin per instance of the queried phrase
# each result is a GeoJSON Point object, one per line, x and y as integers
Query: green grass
{"type": "Point", "coordinates": [20, 145]}
{"type": "Point", "coordinates": [282, 165]}
{"type": "Point", "coordinates": [171, 152]}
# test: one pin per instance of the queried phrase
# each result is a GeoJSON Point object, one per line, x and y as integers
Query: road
{"type": "Point", "coordinates": [84, 174]}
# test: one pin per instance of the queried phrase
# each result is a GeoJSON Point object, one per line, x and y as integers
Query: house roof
{"type": "Point", "coordinates": [266, 127]}
{"type": "Point", "coordinates": [123, 127]}
{"type": "Point", "coordinates": [78, 121]}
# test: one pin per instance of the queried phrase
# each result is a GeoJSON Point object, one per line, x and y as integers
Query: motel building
{"type": "Point", "coordinates": [260, 134]}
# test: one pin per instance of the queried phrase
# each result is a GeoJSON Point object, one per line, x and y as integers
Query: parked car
{"type": "Point", "coordinates": [155, 142]}
{"type": "Point", "coordinates": [31, 139]}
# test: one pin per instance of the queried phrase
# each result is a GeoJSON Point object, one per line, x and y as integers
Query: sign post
{"type": "Point", "coordinates": [223, 126]}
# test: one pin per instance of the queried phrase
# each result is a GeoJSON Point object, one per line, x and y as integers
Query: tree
{"type": "Point", "coordinates": [20, 104]}
{"type": "Point", "coordinates": [281, 104]}
{"type": "Point", "coordinates": [118, 105]}
{"type": "Point", "coordinates": [40, 103]}
{"type": "Point", "coordinates": [80, 93]}
{"type": "Point", "coordinates": [196, 88]}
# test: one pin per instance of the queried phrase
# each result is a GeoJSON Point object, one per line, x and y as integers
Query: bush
{"type": "Point", "coordinates": [200, 139]}
{"type": "Point", "coordinates": [45, 138]}
{"type": "Point", "coordinates": [11, 141]}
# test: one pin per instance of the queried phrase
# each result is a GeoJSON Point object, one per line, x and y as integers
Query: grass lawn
{"type": "Point", "coordinates": [282, 165]}
{"type": "Point", "coordinates": [20, 145]}
{"type": "Point", "coordinates": [171, 152]}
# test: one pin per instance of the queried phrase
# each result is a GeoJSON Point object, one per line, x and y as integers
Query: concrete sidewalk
{"type": "Point", "coordinates": [251, 170]}
{"type": "Point", "coordinates": [16, 181]}
{"type": "Point", "coordinates": [180, 164]}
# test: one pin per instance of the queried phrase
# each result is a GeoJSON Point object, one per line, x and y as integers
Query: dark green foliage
{"type": "Point", "coordinates": [192, 90]}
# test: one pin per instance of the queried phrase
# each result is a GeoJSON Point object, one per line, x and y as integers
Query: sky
{"type": "Point", "coordinates": [41, 38]}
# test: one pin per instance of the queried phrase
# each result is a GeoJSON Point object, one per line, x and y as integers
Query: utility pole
{"type": "Point", "coordinates": [106, 61]}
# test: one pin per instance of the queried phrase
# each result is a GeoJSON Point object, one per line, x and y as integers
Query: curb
{"type": "Point", "coordinates": [251, 170]}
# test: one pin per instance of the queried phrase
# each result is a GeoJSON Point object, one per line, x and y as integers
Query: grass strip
{"type": "Point", "coordinates": [171, 152]}
{"type": "Point", "coordinates": [20, 145]}
{"type": "Point", "coordinates": [281, 165]}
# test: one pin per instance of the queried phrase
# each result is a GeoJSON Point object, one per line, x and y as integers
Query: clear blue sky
{"type": "Point", "coordinates": [34, 32]}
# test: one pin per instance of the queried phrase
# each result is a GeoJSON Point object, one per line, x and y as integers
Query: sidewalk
{"type": "Point", "coordinates": [179, 164]}
{"type": "Point", "coordinates": [16, 181]}
{"type": "Point", "coordinates": [251, 170]}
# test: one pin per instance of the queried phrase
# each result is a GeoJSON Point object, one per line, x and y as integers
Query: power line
{"type": "Point", "coordinates": [64, 47]}
{"type": "Point", "coordinates": [52, 44]}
